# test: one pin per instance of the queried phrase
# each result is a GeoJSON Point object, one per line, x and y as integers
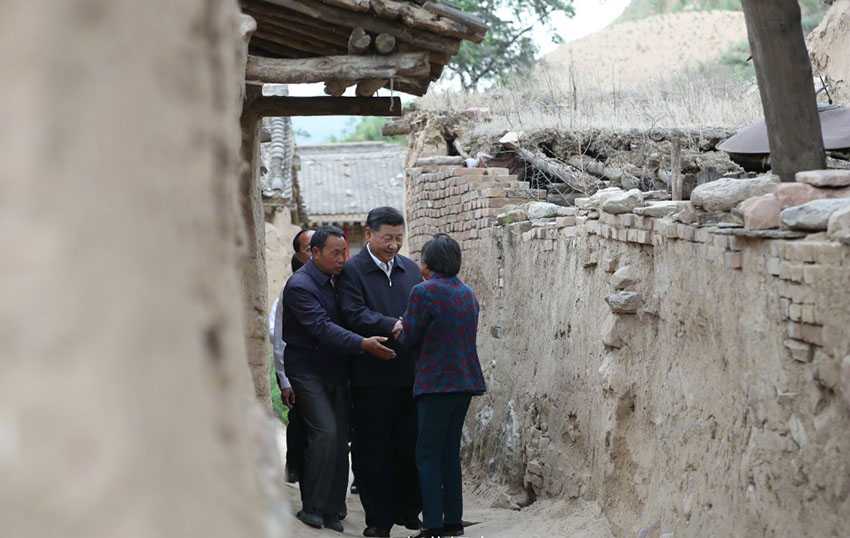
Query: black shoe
{"type": "Point", "coordinates": [311, 520]}
{"type": "Point", "coordinates": [411, 522]}
{"type": "Point", "coordinates": [332, 522]}
{"type": "Point", "coordinates": [354, 490]}
{"type": "Point", "coordinates": [377, 531]}
{"type": "Point", "coordinates": [453, 530]}
{"type": "Point", "coordinates": [291, 474]}
{"type": "Point", "coordinates": [430, 533]}
{"type": "Point", "coordinates": [343, 514]}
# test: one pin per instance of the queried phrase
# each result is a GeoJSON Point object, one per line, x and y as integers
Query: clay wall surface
{"type": "Point", "coordinates": [718, 408]}
{"type": "Point", "coordinates": [126, 406]}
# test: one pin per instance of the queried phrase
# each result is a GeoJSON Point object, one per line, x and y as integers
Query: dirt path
{"type": "Point", "coordinates": [541, 519]}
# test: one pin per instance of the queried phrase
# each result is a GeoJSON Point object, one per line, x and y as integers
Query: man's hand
{"type": "Point", "coordinates": [373, 346]}
{"type": "Point", "coordinates": [287, 396]}
{"type": "Point", "coordinates": [397, 329]}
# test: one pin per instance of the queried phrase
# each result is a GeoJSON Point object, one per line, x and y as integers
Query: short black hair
{"type": "Point", "coordinates": [296, 241]}
{"type": "Point", "coordinates": [441, 254]}
{"type": "Point", "coordinates": [295, 263]}
{"type": "Point", "coordinates": [321, 236]}
{"type": "Point", "coordinates": [384, 215]}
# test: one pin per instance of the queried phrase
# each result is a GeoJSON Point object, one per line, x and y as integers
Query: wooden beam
{"type": "Point", "coordinates": [282, 26]}
{"type": "Point", "coordinates": [359, 41]}
{"type": "Point", "coordinates": [474, 23]}
{"type": "Point", "coordinates": [397, 127]}
{"type": "Point", "coordinates": [784, 75]}
{"type": "Point", "coordinates": [368, 87]}
{"type": "Point", "coordinates": [327, 68]}
{"type": "Point", "coordinates": [327, 106]}
{"type": "Point", "coordinates": [341, 17]}
{"type": "Point", "coordinates": [314, 49]}
{"type": "Point", "coordinates": [337, 87]}
{"type": "Point", "coordinates": [586, 183]}
{"type": "Point", "coordinates": [276, 48]}
{"type": "Point", "coordinates": [384, 43]}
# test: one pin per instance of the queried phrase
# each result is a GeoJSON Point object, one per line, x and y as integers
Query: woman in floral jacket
{"type": "Point", "coordinates": [441, 322]}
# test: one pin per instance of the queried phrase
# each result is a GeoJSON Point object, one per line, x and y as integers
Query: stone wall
{"type": "Point", "coordinates": [126, 406]}
{"type": "Point", "coordinates": [712, 404]}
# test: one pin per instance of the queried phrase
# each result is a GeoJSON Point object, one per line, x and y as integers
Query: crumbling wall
{"type": "Point", "coordinates": [829, 49]}
{"type": "Point", "coordinates": [126, 407]}
{"type": "Point", "coordinates": [711, 404]}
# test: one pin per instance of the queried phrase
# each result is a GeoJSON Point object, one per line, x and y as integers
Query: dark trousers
{"type": "Point", "coordinates": [441, 419]}
{"type": "Point", "coordinates": [296, 442]}
{"type": "Point", "coordinates": [383, 453]}
{"type": "Point", "coordinates": [323, 410]}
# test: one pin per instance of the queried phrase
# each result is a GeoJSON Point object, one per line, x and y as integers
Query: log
{"type": "Point", "coordinates": [384, 43]}
{"type": "Point", "coordinates": [361, 6]}
{"type": "Point", "coordinates": [341, 17]}
{"type": "Point", "coordinates": [327, 106]}
{"type": "Point", "coordinates": [442, 160]}
{"type": "Point", "coordinates": [552, 168]}
{"type": "Point", "coordinates": [476, 24]}
{"type": "Point", "coordinates": [365, 88]}
{"type": "Point", "coordinates": [314, 49]}
{"type": "Point", "coordinates": [359, 41]}
{"type": "Point", "coordinates": [344, 68]}
{"type": "Point", "coordinates": [337, 87]}
{"type": "Point", "coordinates": [421, 18]}
{"type": "Point", "coordinates": [282, 27]}
{"type": "Point", "coordinates": [676, 168]}
{"type": "Point", "coordinates": [784, 75]}
{"type": "Point", "coordinates": [275, 48]}
{"type": "Point", "coordinates": [397, 127]}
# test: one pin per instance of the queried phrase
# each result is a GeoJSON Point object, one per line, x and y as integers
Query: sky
{"type": "Point", "coordinates": [590, 16]}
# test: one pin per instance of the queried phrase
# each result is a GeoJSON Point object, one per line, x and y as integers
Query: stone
{"type": "Point", "coordinates": [609, 264]}
{"type": "Point", "coordinates": [511, 139]}
{"type": "Point", "coordinates": [800, 351]}
{"type": "Point", "coordinates": [845, 379]}
{"type": "Point", "coordinates": [613, 331]}
{"type": "Point", "coordinates": [541, 210]}
{"type": "Point", "coordinates": [688, 215]}
{"type": "Point", "coordinates": [812, 216]}
{"type": "Point", "coordinates": [509, 217]}
{"type": "Point", "coordinates": [658, 210]}
{"type": "Point", "coordinates": [761, 212]}
{"type": "Point", "coordinates": [838, 224]}
{"type": "Point", "coordinates": [825, 178]}
{"type": "Point", "coordinates": [619, 203]}
{"type": "Point", "coordinates": [826, 369]}
{"type": "Point", "coordinates": [798, 431]}
{"type": "Point", "coordinates": [625, 302]}
{"type": "Point", "coordinates": [567, 211]}
{"type": "Point", "coordinates": [624, 278]}
{"type": "Point", "coordinates": [598, 198]}
{"type": "Point", "coordinates": [724, 194]}
{"type": "Point", "coordinates": [793, 194]}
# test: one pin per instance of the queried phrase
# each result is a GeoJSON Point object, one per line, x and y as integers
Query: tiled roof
{"type": "Point", "coordinates": [351, 178]}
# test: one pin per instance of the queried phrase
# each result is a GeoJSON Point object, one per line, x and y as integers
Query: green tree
{"type": "Point", "coordinates": [509, 46]}
{"type": "Point", "coordinates": [367, 129]}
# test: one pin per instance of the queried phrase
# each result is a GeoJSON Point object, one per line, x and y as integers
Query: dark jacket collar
{"type": "Point", "coordinates": [315, 273]}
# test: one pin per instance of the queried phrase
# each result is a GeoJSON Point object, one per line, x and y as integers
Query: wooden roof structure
{"type": "Point", "coordinates": [403, 45]}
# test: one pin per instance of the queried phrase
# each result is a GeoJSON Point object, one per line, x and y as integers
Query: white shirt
{"type": "Point", "coordinates": [387, 268]}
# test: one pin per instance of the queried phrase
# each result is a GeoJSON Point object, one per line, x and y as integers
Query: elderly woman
{"type": "Point", "coordinates": [441, 321]}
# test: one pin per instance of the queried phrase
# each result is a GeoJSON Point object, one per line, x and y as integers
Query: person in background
{"type": "Point", "coordinates": [373, 291]}
{"type": "Point", "coordinates": [316, 362]}
{"type": "Point", "coordinates": [441, 322]}
{"type": "Point", "coordinates": [295, 438]}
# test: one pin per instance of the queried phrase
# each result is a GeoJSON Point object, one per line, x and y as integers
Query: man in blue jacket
{"type": "Point", "coordinates": [316, 362]}
{"type": "Point", "coordinates": [373, 292]}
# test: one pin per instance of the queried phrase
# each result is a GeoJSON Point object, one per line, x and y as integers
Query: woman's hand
{"type": "Point", "coordinates": [397, 329]}
{"type": "Point", "coordinates": [373, 346]}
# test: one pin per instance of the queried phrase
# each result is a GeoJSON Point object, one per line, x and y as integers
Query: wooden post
{"type": "Point", "coordinates": [785, 83]}
{"type": "Point", "coordinates": [676, 168]}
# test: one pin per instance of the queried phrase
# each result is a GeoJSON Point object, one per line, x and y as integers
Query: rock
{"type": "Point", "coordinates": [509, 217]}
{"type": "Point", "coordinates": [839, 224]}
{"type": "Point", "coordinates": [609, 264]}
{"type": "Point", "coordinates": [660, 209]}
{"type": "Point", "coordinates": [567, 211]}
{"type": "Point", "coordinates": [845, 379]}
{"type": "Point", "coordinates": [688, 215]}
{"type": "Point", "coordinates": [761, 212]}
{"type": "Point", "coordinates": [798, 431]}
{"type": "Point", "coordinates": [825, 178]}
{"type": "Point", "coordinates": [657, 195]}
{"type": "Point", "coordinates": [541, 210]}
{"type": "Point", "coordinates": [619, 203]}
{"type": "Point", "coordinates": [793, 194]}
{"type": "Point", "coordinates": [625, 302]}
{"type": "Point", "coordinates": [800, 351]}
{"type": "Point", "coordinates": [724, 194]}
{"type": "Point", "coordinates": [812, 216]}
{"type": "Point", "coordinates": [511, 139]}
{"type": "Point", "coordinates": [826, 370]}
{"type": "Point", "coordinates": [624, 278]}
{"type": "Point", "coordinates": [613, 331]}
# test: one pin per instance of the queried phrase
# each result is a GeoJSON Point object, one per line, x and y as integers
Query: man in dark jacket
{"type": "Point", "coordinates": [373, 291]}
{"type": "Point", "coordinates": [316, 361]}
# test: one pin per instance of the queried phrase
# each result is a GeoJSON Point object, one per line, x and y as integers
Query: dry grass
{"type": "Point", "coordinates": [706, 97]}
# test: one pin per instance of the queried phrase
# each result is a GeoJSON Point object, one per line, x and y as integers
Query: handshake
{"type": "Point", "coordinates": [373, 344]}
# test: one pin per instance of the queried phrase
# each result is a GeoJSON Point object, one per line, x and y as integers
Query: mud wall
{"type": "Point", "coordinates": [716, 409]}
{"type": "Point", "coordinates": [126, 407]}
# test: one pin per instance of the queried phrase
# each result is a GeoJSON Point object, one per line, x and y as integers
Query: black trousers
{"type": "Point", "coordinates": [323, 409]}
{"type": "Point", "coordinates": [296, 441]}
{"type": "Point", "coordinates": [384, 453]}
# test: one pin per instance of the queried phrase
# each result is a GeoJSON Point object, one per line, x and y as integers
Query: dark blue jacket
{"type": "Point", "coordinates": [316, 343]}
{"type": "Point", "coordinates": [371, 304]}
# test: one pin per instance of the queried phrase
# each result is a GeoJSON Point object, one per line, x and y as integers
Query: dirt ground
{"type": "Point", "coordinates": [542, 518]}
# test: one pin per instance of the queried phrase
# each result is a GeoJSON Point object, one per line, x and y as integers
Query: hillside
{"type": "Point", "coordinates": [631, 53]}
{"type": "Point", "coordinates": [640, 9]}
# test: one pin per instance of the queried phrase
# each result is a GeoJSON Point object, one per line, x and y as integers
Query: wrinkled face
{"type": "Point", "coordinates": [386, 241]}
{"type": "Point", "coordinates": [330, 259]}
{"type": "Point", "coordinates": [303, 253]}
